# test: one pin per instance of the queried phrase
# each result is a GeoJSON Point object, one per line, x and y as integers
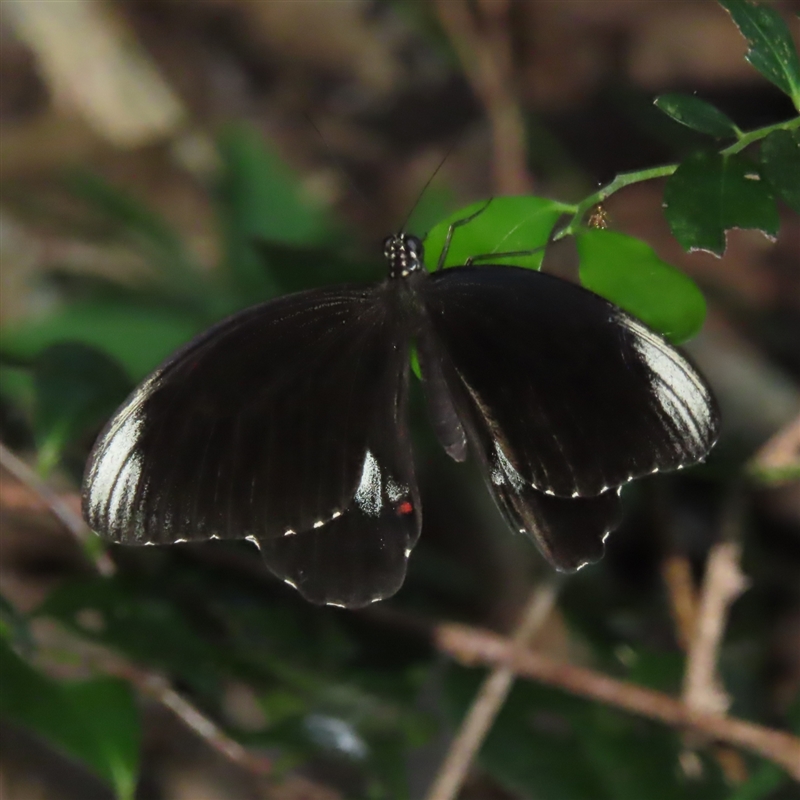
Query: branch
{"type": "Point", "coordinates": [723, 583]}
{"type": "Point", "coordinates": [629, 178]}
{"type": "Point", "coordinates": [147, 682]}
{"type": "Point", "coordinates": [472, 647]}
{"type": "Point", "coordinates": [489, 700]}
{"type": "Point", "coordinates": [676, 572]}
{"type": "Point", "coordinates": [61, 510]}
{"type": "Point", "coordinates": [157, 687]}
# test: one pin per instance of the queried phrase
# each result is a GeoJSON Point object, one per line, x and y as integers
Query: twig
{"type": "Point", "coordinates": [489, 700]}
{"type": "Point", "coordinates": [677, 574]}
{"type": "Point", "coordinates": [147, 682]}
{"type": "Point", "coordinates": [702, 687]}
{"type": "Point", "coordinates": [473, 646]}
{"type": "Point", "coordinates": [624, 179]}
{"type": "Point", "coordinates": [60, 509]}
{"type": "Point", "coordinates": [723, 583]}
{"type": "Point", "coordinates": [159, 688]}
{"type": "Point", "coordinates": [485, 54]}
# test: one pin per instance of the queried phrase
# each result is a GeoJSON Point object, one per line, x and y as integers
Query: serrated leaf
{"type": "Point", "coordinates": [629, 273]}
{"type": "Point", "coordinates": [506, 224]}
{"type": "Point", "coordinates": [710, 193]}
{"type": "Point", "coordinates": [95, 722]}
{"type": "Point", "coordinates": [770, 47]}
{"type": "Point", "coordinates": [780, 161]}
{"type": "Point", "coordinates": [697, 114]}
{"type": "Point", "coordinates": [77, 387]}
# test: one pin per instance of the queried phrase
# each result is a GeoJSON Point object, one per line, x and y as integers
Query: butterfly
{"type": "Point", "coordinates": [287, 424]}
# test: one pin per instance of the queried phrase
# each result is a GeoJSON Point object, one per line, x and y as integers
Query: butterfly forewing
{"type": "Point", "coordinates": [261, 428]}
{"type": "Point", "coordinates": [580, 396]}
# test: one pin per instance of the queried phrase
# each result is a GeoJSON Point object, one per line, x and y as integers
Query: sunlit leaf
{"type": "Point", "coordinates": [627, 272]}
{"type": "Point", "coordinates": [501, 225]}
{"type": "Point", "coordinates": [710, 193]}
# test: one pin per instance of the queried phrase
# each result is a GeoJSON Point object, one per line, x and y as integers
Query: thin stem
{"type": "Point", "coordinates": [490, 700]}
{"type": "Point", "coordinates": [474, 647]}
{"type": "Point", "coordinates": [628, 178]}
{"type": "Point", "coordinates": [88, 542]}
{"type": "Point", "coordinates": [760, 133]}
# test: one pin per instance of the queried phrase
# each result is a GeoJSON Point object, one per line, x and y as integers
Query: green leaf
{"type": "Point", "coordinates": [77, 387]}
{"type": "Point", "coordinates": [697, 114]}
{"type": "Point", "coordinates": [627, 272]}
{"type": "Point", "coordinates": [14, 626]}
{"type": "Point", "coordinates": [710, 193]}
{"type": "Point", "coordinates": [107, 707]}
{"type": "Point", "coordinates": [506, 224]}
{"type": "Point", "coordinates": [95, 722]}
{"type": "Point", "coordinates": [260, 199]}
{"type": "Point", "coordinates": [770, 47]}
{"type": "Point", "coordinates": [139, 337]}
{"type": "Point", "coordinates": [780, 161]}
{"type": "Point", "coordinates": [762, 782]}
{"type": "Point", "coordinates": [136, 621]}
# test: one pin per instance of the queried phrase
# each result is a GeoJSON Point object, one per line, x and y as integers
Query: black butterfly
{"type": "Point", "coordinates": [286, 424]}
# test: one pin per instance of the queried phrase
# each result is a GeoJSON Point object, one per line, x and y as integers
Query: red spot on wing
{"type": "Point", "coordinates": [405, 508]}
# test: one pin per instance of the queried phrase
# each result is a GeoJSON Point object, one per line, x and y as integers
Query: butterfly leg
{"type": "Point", "coordinates": [490, 256]}
{"type": "Point", "coordinates": [457, 224]}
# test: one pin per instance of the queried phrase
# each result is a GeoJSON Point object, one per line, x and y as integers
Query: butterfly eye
{"type": "Point", "coordinates": [414, 247]}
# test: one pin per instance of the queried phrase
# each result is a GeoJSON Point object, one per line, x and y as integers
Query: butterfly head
{"type": "Point", "coordinates": [404, 253]}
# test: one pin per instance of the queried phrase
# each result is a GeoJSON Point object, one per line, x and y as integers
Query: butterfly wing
{"type": "Point", "coordinates": [569, 532]}
{"type": "Point", "coordinates": [566, 397]}
{"type": "Point", "coordinates": [282, 424]}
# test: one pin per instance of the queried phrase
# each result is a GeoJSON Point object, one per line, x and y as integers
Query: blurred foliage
{"type": "Point", "coordinates": [350, 689]}
{"type": "Point", "coordinates": [94, 721]}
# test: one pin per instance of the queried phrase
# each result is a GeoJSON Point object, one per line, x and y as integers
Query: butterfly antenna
{"type": "Point", "coordinates": [427, 184]}
{"type": "Point", "coordinates": [336, 160]}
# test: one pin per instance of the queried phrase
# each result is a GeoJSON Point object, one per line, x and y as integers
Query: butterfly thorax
{"type": "Point", "coordinates": [404, 254]}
